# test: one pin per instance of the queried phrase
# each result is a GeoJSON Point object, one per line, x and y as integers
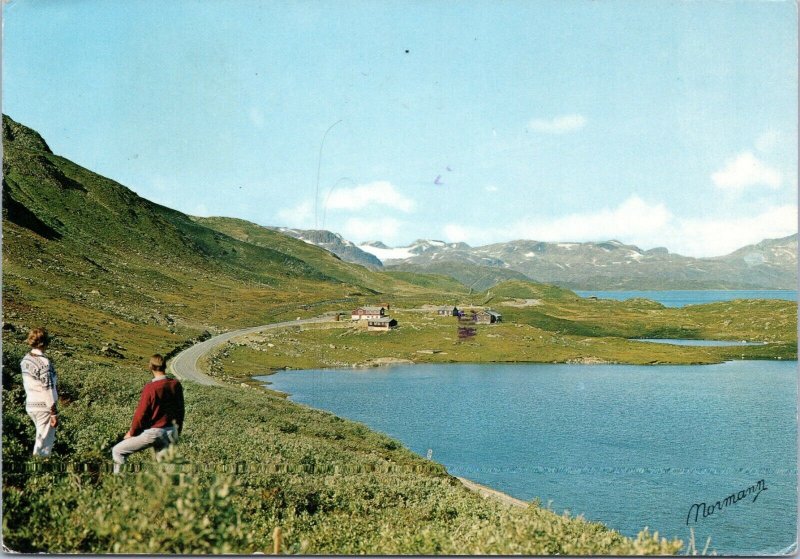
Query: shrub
{"type": "Point", "coordinates": [156, 510]}
{"type": "Point", "coordinates": [247, 462]}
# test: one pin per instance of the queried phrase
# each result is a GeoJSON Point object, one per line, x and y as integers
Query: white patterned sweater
{"type": "Point", "coordinates": [39, 380]}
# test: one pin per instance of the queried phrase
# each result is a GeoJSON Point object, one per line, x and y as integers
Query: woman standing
{"type": "Point", "coordinates": [39, 380]}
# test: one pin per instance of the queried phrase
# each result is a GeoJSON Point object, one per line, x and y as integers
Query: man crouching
{"type": "Point", "coordinates": [158, 419]}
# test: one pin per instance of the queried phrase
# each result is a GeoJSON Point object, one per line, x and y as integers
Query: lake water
{"type": "Point", "coordinates": [693, 297]}
{"type": "Point", "coordinates": [699, 343]}
{"type": "Point", "coordinates": [629, 446]}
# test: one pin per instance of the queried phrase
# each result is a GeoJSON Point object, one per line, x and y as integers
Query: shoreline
{"type": "Point", "coordinates": [488, 493]}
{"type": "Point", "coordinates": [614, 350]}
{"type": "Point", "coordinates": [590, 363]}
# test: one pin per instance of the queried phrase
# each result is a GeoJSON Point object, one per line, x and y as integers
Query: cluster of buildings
{"type": "Point", "coordinates": [376, 319]}
{"type": "Point", "coordinates": [478, 316]}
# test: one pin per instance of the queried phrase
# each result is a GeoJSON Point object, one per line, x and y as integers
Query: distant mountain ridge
{"type": "Point", "coordinates": [85, 222]}
{"type": "Point", "coordinates": [770, 264]}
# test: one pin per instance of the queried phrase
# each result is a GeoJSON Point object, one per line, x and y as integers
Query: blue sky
{"type": "Point", "coordinates": [656, 123]}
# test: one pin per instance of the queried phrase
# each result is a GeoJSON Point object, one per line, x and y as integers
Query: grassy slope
{"type": "Point", "coordinates": [324, 260]}
{"type": "Point", "coordinates": [103, 268]}
{"type": "Point", "coordinates": [435, 281]}
{"type": "Point", "coordinates": [474, 276]}
{"type": "Point", "coordinates": [123, 265]}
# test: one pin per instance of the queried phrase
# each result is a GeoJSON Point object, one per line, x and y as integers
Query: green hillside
{"type": "Point", "coordinates": [79, 245]}
{"type": "Point", "coordinates": [436, 281]}
{"type": "Point", "coordinates": [115, 278]}
{"type": "Point", "coordinates": [322, 260]}
{"type": "Point", "coordinates": [82, 245]}
{"type": "Point", "coordinates": [474, 276]}
{"type": "Point", "coordinates": [527, 289]}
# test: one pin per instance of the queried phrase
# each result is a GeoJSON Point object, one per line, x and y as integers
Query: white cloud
{"type": "Point", "coordinates": [647, 225]}
{"type": "Point", "coordinates": [559, 124]}
{"type": "Point", "coordinates": [718, 236]}
{"type": "Point", "coordinates": [491, 188]}
{"type": "Point", "coordinates": [746, 170]}
{"type": "Point", "coordinates": [632, 218]}
{"type": "Point", "coordinates": [359, 229]}
{"type": "Point", "coordinates": [298, 216]}
{"type": "Point", "coordinates": [767, 141]}
{"type": "Point", "coordinates": [455, 233]}
{"type": "Point", "coordinates": [381, 193]}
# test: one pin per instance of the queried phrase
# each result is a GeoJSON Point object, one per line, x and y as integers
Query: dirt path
{"type": "Point", "coordinates": [489, 493]}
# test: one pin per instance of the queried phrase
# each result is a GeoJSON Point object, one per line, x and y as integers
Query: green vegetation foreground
{"type": "Point", "coordinates": [247, 462]}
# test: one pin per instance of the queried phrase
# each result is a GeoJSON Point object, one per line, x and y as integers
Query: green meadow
{"type": "Point", "coordinates": [559, 330]}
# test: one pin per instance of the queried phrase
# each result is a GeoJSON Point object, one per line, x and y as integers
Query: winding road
{"type": "Point", "coordinates": [184, 365]}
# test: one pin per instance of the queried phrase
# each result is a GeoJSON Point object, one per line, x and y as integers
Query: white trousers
{"type": "Point", "coordinates": [155, 437]}
{"type": "Point", "coordinates": [45, 433]}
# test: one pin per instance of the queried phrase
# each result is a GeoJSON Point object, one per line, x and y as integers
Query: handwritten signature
{"type": "Point", "coordinates": [706, 510]}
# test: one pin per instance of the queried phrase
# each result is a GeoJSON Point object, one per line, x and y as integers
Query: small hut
{"type": "Point", "coordinates": [488, 317]}
{"type": "Point", "coordinates": [383, 324]}
{"type": "Point", "coordinates": [367, 313]}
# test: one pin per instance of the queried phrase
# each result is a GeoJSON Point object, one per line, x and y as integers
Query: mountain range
{"type": "Point", "coordinates": [770, 264]}
{"type": "Point", "coordinates": [609, 265]}
{"type": "Point", "coordinates": [335, 243]}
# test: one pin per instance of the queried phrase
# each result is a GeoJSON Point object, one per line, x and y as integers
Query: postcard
{"type": "Point", "coordinates": [400, 277]}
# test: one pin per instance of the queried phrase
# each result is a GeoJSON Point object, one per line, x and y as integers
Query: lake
{"type": "Point", "coordinates": [629, 446]}
{"type": "Point", "coordinates": [698, 343]}
{"type": "Point", "coordinates": [693, 297]}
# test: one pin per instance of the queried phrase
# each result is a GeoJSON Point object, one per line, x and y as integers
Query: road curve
{"type": "Point", "coordinates": [184, 365]}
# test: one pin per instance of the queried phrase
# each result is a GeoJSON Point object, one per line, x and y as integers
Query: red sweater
{"type": "Point", "coordinates": [161, 404]}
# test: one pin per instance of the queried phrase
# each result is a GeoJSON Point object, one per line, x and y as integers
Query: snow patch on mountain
{"type": "Point", "coordinates": [433, 247]}
{"type": "Point", "coordinates": [384, 254]}
{"type": "Point", "coordinates": [334, 243]}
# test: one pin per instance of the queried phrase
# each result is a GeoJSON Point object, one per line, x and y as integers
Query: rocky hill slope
{"type": "Point", "coordinates": [76, 244]}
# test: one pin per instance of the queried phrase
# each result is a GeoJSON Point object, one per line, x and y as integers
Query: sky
{"type": "Point", "coordinates": [658, 123]}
